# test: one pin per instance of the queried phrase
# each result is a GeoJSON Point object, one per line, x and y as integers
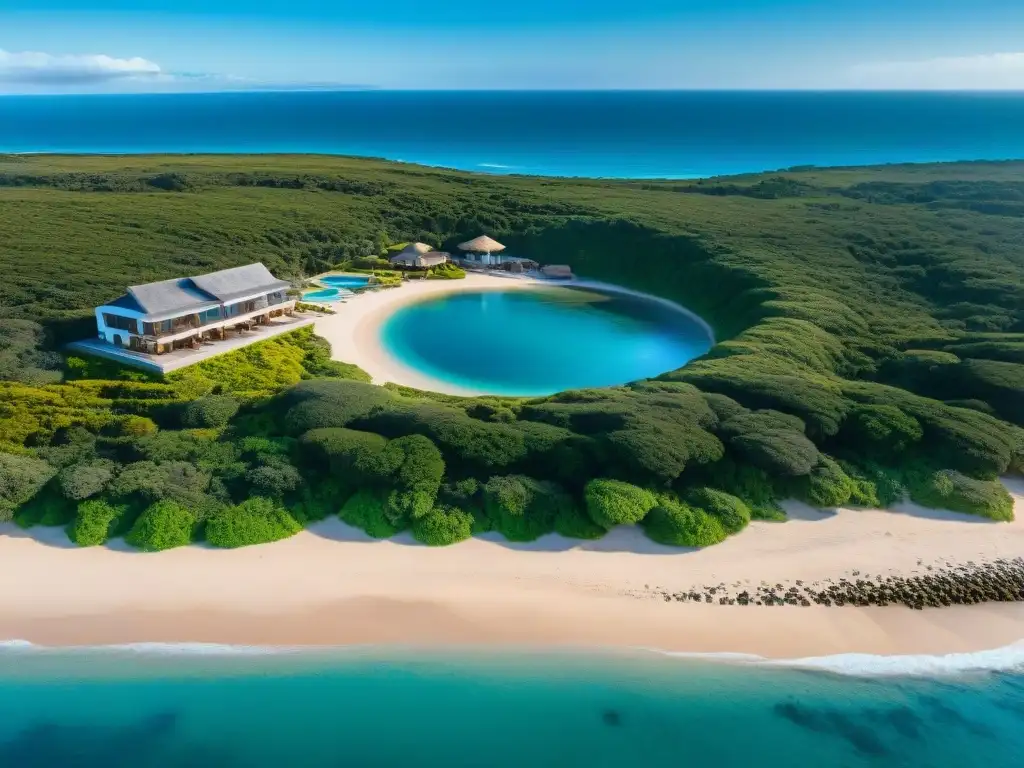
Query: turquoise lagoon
{"type": "Point", "coordinates": [537, 342]}
{"type": "Point", "coordinates": [189, 706]}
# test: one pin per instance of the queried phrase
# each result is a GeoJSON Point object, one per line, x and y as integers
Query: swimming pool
{"type": "Point", "coordinates": [346, 281]}
{"type": "Point", "coordinates": [325, 294]}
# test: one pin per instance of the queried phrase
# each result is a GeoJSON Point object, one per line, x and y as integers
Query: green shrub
{"type": "Point", "coordinates": [442, 526]}
{"type": "Point", "coordinates": [80, 481]}
{"type": "Point", "coordinates": [212, 411]}
{"type": "Point", "coordinates": [572, 521]}
{"type": "Point", "coordinates": [826, 486]}
{"type": "Point", "coordinates": [21, 478]}
{"type": "Point", "coordinates": [274, 479]}
{"type": "Point", "coordinates": [162, 525]}
{"type": "Point", "coordinates": [772, 441]}
{"type": "Point", "coordinates": [730, 511]}
{"type": "Point", "coordinates": [521, 508]}
{"type": "Point", "coordinates": [679, 525]}
{"type": "Point", "coordinates": [353, 457]}
{"type": "Point", "coordinates": [254, 521]}
{"type": "Point", "coordinates": [881, 428]}
{"type": "Point", "coordinates": [95, 522]}
{"type": "Point", "coordinates": [48, 507]}
{"type": "Point", "coordinates": [419, 468]}
{"type": "Point", "coordinates": [612, 502]}
{"type": "Point", "coordinates": [949, 489]}
{"type": "Point", "coordinates": [136, 426]}
{"type": "Point", "coordinates": [366, 510]}
{"type": "Point", "coordinates": [330, 403]}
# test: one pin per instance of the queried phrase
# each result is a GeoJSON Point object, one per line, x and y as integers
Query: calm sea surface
{"type": "Point", "coordinates": [542, 341]}
{"type": "Point", "coordinates": [464, 708]}
{"type": "Point", "coordinates": [617, 134]}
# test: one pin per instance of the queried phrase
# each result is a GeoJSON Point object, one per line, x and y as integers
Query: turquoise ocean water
{"type": "Point", "coordinates": [622, 134]}
{"type": "Point", "coordinates": [538, 342]}
{"type": "Point", "coordinates": [193, 707]}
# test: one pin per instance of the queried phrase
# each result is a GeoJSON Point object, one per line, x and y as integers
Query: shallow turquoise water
{"type": "Point", "coordinates": [326, 294]}
{"type": "Point", "coordinates": [463, 708]}
{"type": "Point", "coordinates": [345, 281]}
{"type": "Point", "coordinates": [537, 342]}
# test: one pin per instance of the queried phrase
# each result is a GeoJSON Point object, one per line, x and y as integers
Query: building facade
{"type": "Point", "coordinates": [184, 312]}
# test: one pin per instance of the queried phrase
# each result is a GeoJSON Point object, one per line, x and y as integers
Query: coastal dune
{"type": "Point", "coordinates": [333, 585]}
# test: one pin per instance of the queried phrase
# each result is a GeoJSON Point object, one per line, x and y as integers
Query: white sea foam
{"type": "Point", "coordinates": [155, 649]}
{"type": "Point", "coordinates": [1005, 659]}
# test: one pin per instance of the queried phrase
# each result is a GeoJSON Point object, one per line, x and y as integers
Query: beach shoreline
{"type": "Point", "coordinates": [332, 585]}
{"type": "Point", "coordinates": [354, 329]}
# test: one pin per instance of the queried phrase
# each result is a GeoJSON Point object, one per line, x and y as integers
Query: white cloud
{"type": "Point", "coordinates": [47, 69]}
{"type": "Point", "coordinates": [993, 71]}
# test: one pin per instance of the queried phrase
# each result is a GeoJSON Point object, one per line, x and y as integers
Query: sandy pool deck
{"type": "Point", "coordinates": [332, 585]}
{"type": "Point", "coordinates": [354, 329]}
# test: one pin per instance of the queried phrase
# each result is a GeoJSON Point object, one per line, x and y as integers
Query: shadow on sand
{"type": "Point", "coordinates": [619, 540]}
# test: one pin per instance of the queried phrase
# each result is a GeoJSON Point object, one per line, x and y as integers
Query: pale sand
{"type": "Point", "coordinates": [354, 330]}
{"type": "Point", "coordinates": [331, 585]}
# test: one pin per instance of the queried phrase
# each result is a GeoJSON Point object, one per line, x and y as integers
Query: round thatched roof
{"type": "Point", "coordinates": [482, 244]}
{"type": "Point", "coordinates": [417, 248]}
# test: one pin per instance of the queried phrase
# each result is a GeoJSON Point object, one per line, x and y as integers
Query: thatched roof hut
{"type": "Point", "coordinates": [482, 244]}
{"type": "Point", "coordinates": [408, 258]}
{"type": "Point", "coordinates": [417, 248]}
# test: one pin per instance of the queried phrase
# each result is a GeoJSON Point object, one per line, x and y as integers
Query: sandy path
{"type": "Point", "coordinates": [331, 585]}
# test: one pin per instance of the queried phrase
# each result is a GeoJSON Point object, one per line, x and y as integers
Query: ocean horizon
{"type": "Point", "coordinates": [612, 134]}
{"type": "Point", "coordinates": [168, 705]}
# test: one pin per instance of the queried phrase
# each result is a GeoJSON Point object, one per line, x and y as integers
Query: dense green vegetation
{"type": "Point", "coordinates": [870, 326]}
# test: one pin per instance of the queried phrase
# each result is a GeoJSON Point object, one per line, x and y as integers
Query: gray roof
{"type": "Point", "coordinates": [169, 296]}
{"type": "Point", "coordinates": [238, 282]}
{"type": "Point", "coordinates": [126, 302]}
{"type": "Point", "coordinates": [180, 295]}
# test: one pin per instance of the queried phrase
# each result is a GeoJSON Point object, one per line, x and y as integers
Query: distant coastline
{"type": "Point", "coordinates": [615, 134]}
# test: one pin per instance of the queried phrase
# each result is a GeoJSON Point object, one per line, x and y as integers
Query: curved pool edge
{"type": "Point", "coordinates": [406, 374]}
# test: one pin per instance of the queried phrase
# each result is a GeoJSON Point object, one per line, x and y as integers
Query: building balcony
{"type": "Point", "coordinates": [199, 323]}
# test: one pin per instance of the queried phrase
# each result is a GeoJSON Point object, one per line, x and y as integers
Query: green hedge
{"type": "Point", "coordinates": [254, 521]}
{"type": "Point", "coordinates": [163, 525]}
{"type": "Point", "coordinates": [95, 522]}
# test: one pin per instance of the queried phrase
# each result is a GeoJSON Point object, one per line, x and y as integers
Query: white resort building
{"type": "Point", "coordinates": [187, 319]}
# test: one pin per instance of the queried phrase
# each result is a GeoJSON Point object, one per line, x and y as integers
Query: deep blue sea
{"type": "Point", "coordinates": [162, 708]}
{"type": "Point", "coordinates": [537, 342]}
{"type": "Point", "coordinates": [614, 134]}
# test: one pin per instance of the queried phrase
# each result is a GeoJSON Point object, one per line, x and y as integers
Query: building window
{"type": "Point", "coordinates": [121, 323]}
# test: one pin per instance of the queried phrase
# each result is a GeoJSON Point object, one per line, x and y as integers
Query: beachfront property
{"type": "Point", "coordinates": [419, 256]}
{"type": "Point", "coordinates": [206, 314]}
{"type": "Point", "coordinates": [486, 252]}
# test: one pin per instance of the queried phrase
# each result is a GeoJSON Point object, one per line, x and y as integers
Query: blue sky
{"type": "Point", "coordinates": [158, 45]}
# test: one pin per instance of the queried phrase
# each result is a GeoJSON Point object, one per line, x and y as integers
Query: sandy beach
{"type": "Point", "coordinates": [354, 329]}
{"type": "Point", "coordinates": [333, 585]}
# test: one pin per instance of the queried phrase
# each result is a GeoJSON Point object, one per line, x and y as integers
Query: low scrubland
{"type": "Point", "coordinates": [870, 327]}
